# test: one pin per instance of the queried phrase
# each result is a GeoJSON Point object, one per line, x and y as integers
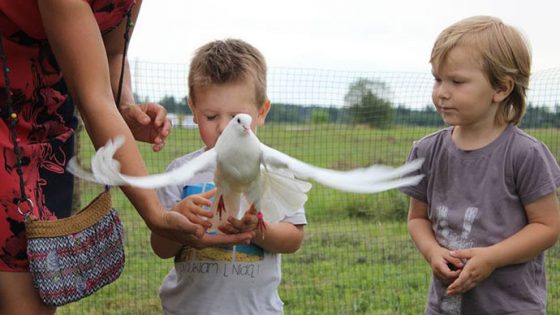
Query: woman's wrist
{"type": "Point", "coordinates": [148, 206]}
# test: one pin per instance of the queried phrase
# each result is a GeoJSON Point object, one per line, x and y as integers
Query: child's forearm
{"type": "Point", "coordinates": [539, 234]}
{"type": "Point", "coordinates": [282, 237]}
{"type": "Point", "coordinates": [163, 247]}
{"type": "Point", "coordinates": [521, 247]}
{"type": "Point", "coordinates": [420, 230]}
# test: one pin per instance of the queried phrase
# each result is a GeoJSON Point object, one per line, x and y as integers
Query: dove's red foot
{"type": "Point", "coordinates": [221, 207]}
{"type": "Point", "coordinates": [261, 225]}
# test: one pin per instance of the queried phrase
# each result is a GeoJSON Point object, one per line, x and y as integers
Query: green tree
{"type": "Point", "coordinates": [373, 111]}
{"type": "Point", "coordinates": [319, 116]}
{"type": "Point", "coordinates": [359, 88]}
{"type": "Point", "coordinates": [169, 103]}
{"type": "Point", "coordinates": [369, 103]}
{"type": "Point", "coordinates": [173, 106]}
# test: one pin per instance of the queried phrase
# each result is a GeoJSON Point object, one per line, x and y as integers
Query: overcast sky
{"type": "Point", "coordinates": [358, 35]}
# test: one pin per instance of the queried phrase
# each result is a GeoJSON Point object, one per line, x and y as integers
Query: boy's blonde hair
{"type": "Point", "coordinates": [504, 53]}
{"type": "Point", "coordinates": [228, 61]}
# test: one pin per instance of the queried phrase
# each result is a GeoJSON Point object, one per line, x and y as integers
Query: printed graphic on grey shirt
{"type": "Point", "coordinates": [451, 305]}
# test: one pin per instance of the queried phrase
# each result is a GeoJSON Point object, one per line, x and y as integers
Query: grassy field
{"type": "Point", "coordinates": [357, 257]}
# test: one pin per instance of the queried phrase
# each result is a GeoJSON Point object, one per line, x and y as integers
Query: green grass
{"type": "Point", "coordinates": [357, 257]}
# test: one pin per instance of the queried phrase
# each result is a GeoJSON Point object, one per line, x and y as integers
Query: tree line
{"type": "Point", "coordinates": [373, 111]}
{"type": "Point", "coordinates": [368, 102]}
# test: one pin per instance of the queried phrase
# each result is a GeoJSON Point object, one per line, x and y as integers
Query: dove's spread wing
{"type": "Point", "coordinates": [372, 179]}
{"type": "Point", "coordinates": [278, 193]}
{"type": "Point", "coordinates": [106, 170]}
{"type": "Point", "coordinates": [177, 176]}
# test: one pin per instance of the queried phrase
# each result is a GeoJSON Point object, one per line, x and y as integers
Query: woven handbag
{"type": "Point", "coordinates": [72, 258]}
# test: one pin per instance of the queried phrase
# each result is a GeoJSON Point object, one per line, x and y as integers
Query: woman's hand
{"type": "Point", "coordinates": [148, 123]}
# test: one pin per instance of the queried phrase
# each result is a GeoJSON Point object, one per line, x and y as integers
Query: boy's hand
{"type": "Point", "coordinates": [444, 265]}
{"type": "Point", "coordinates": [192, 208]}
{"type": "Point", "coordinates": [249, 222]}
{"type": "Point", "coordinates": [480, 265]}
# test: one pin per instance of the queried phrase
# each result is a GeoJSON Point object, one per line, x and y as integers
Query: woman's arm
{"type": "Point", "coordinates": [148, 121]}
{"type": "Point", "coordinates": [114, 47]}
{"type": "Point", "coordinates": [75, 39]}
{"type": "Point", "coordinates": [163, 247]}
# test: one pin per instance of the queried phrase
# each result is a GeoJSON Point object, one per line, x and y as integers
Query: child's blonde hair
{"type": "Point", "coordinates": [504, 52]}
{"type": "Point", "coordinates": [228, 61]}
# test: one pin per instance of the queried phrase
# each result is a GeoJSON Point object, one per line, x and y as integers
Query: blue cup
{"type": "Point", "coordinates": [197, 189]}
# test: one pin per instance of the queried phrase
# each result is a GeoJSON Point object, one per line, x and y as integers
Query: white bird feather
{"type": "Point", "coordinates": [271, 180]}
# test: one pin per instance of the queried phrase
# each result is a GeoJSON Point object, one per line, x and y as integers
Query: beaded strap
{"type": "Point", "coordinates": [13, 117]}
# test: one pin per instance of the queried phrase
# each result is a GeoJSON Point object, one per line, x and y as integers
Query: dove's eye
{"type": "Point", "coordinates": [238, 120]}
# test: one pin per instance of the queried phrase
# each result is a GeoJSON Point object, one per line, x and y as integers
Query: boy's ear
{"type": "Point", "coordinates": [263, 111]}
{"type": "Point", "coordinates": [504, 90]}
{"type": "Point", "coordinates": [191, 106]}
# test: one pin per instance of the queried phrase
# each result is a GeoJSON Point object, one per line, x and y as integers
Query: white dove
{"type": "Point", "coordinates": [269, 179]}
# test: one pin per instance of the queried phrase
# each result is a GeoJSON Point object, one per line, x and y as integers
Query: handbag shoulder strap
{"type": "Point", "coordinates": [129, 25]}
{"type": "Point", "coordinates": [12, 118]}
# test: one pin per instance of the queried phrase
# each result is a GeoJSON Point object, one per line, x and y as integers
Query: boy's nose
{"type": "Point", "coordinates": [441, 91]}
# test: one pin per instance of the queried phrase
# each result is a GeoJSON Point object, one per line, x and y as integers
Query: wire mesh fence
{"type": "Point", "coordinates": [357, 257]}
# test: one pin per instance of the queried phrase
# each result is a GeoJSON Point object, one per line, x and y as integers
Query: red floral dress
{"type": "Point", "coordinates": [46, 122]}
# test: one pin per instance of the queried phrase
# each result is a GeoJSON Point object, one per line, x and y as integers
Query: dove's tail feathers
{"type": "Point", "coordinates": [233, 206]}
{"type": "Point", "coordinates": [277, 193]}
{"type": "Point", "coordinates": [214, 207]}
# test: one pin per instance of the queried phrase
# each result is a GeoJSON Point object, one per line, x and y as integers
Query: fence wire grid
{"type": "Point", "coordinates": [357, 256]}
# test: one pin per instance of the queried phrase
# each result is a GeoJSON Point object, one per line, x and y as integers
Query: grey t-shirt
{"type": "Point", "coordinates": [476, 199]}
{"type": "Point", "coordinates": [238, 280]}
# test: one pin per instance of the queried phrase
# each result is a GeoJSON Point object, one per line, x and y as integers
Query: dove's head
{"type": "Point", "coordinates": [238, 129]}
{"type": "Point", "coordinates": [242, 122]}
